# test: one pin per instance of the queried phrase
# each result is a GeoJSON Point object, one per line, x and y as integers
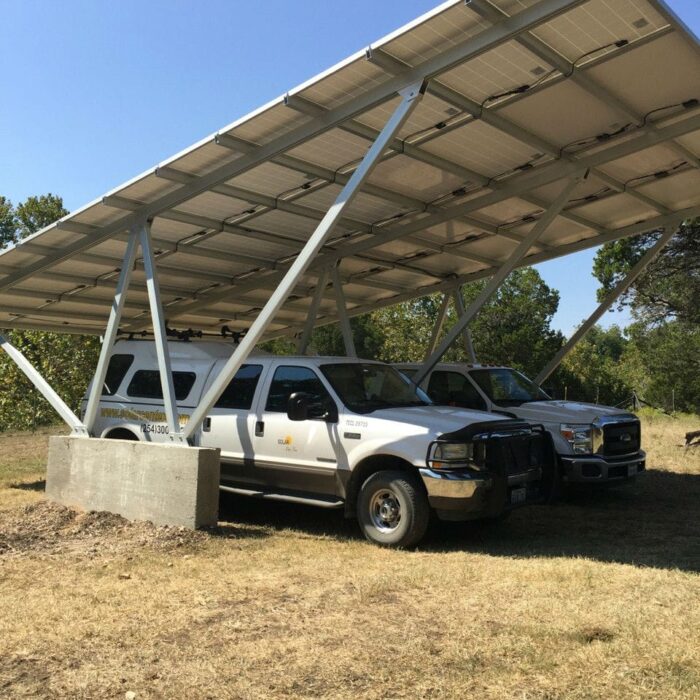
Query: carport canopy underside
{"type": "Point", "coordinates": [519, 98]}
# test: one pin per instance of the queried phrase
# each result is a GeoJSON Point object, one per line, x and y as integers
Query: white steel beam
{"type": "Point", "coordinates": [467, 334]}
{"type": "Point", "coordinates": [305, 337]}
{"type": "Point", "coordinates": [495, 282]}
{"type": "Point", "coordinates": [115, 315]}
{"type": "Point", "coordinates": [342, 311]}
{"type": "Point", "coordinates": [437, 326]}
{"type": "Point", "coordinates": [410, 97]}
{"type": "Point", "coordinates": [57, 403]}
{"type": "Point", "coordinates": [619, 289]}
{"type": "Point", "coordinates": [159, 333]}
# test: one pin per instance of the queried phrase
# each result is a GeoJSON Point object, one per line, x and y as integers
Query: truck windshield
{"type": "Point", "coordinates": [506, 387]}
{"type": "Point", "coordinates": [364, 388]}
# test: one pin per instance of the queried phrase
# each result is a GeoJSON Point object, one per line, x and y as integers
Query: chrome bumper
{"type": "Point", "coordinates": [462, 495]}
{"type": "Point", "coordinates": [594, 469]}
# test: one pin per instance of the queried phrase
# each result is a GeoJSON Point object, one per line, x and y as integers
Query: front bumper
{"type": "Point", "coordinates": [464, 495]}
{"type": "Point", "coordinates": [594, 469]}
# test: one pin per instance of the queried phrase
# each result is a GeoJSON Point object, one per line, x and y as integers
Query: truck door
{"type": "Point", "coordinates": [296, 455]}
{"type": "Point", "coordinates": [231, 423]}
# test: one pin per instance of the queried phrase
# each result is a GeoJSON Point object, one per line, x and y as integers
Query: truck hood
{"type": "Point", "coordinates": [434, 419]}
{"type": "Point", "coordinates": [563, 411]}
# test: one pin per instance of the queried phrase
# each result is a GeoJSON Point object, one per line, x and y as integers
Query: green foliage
{"type": "Point", "coordinates": [670, 286]}
{"type": "Point", "coordinates": [8, 223]}
{"type": "Point", "coordinates": [668, 361]}
{"type": "Point", "coordinates": [38, 212]}
{"type": "Point", "coordinates": [594, 370]}
{"type": "Point", "coordinates": [513, 328]}
{"type": "Point", "coordinates": [67, 362]}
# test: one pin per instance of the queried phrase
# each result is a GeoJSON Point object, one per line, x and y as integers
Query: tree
{"type": "Point", "coordinates": [669, 288]}
{"type": "Point", "coordinates": [514, 328]}
{"type": "Point", "coordinates": [595, 370]}
{"type": "Point", "coordinates": [668, 360]}
{"type": "Point", "coordinates": [67, 362]}
{"type": "Point", "coordinates": [36, 213]}
{"type": "Point", "coordinates": [8, 223]}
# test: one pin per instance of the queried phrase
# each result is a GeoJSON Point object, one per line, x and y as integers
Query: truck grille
{"type": "Point", "coordinates": [517, 454]}
{"type": "Point", "coordinates": [621, 438]}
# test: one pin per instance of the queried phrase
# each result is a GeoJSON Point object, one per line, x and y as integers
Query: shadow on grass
{"type": "Point", "coordinates": [653, 522]}
{"type": "Point", "coordinates": [277, 515]}
{"type": "Point", "coordinates": [39, 485]}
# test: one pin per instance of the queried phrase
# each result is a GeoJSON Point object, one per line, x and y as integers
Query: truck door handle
{"type": "Point", "coordinates": [259, 428]}
{"type": "Point", "coordinates": [206, 427]}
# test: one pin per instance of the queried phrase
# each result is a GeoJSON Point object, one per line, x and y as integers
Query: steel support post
{"type": "Point", "coordinates": [115, 315]}
{"type": "Point", "coordinates": [467, 335]}
{"type": "Point", "coordinates": [342, 310]}
{"type": "Point", "coordinates": [305, 337]}
{"type": "Point", "coordinates": [411, 96]}
{"type": "Point", "coordinates": [159, 333]}
{"type": "Point", "coordinates": [499, 276]}
{"type": "Point", "coordinates": [619, 289]}
{"type": "Point", "coordinates": [58, 404]}
{"type": "Point", "coordinates": [437, 326]}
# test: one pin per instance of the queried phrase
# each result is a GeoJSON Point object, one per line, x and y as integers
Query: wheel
{"type": "Point", "coordinates": [392, 509]}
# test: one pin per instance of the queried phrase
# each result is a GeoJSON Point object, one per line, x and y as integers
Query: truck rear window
{"type": "Point", "coordinates": [241, 389]}
{"type": "Point", "coordinates": [116, 371]}
{"type": "Point", "coordinates": [145, 384]}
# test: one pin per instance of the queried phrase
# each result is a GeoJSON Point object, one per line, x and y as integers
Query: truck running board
{"type": "Point", "coordinates": [276, 496]}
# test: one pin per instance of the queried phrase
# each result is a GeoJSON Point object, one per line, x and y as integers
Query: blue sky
{"type": "Point", "coordinates": [93, 93]}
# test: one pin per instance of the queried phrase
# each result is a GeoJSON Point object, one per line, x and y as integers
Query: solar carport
{"type": "Point", "coordinates": [483, 136]}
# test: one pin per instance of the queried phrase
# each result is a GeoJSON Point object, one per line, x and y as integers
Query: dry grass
{"type": "Point", "coordinates": [598, 597]}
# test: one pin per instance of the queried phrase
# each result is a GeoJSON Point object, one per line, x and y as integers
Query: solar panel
{"type": "Point", "coordinates": [520, 95]}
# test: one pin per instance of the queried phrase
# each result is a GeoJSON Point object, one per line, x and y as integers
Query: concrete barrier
{"type": "Point", "coordinates": [166, 484]}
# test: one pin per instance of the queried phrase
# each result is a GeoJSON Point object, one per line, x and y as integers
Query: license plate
{"type": "Point", "coordinates": [518, 496]}
{"type": "Point", "coordinates": [632, 470]}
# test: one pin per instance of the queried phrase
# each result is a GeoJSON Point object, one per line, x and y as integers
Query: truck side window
{"type": "Point", "coordinates": [289, 380]}
{"type": "Point", "coordinates": [454, 389]}
{"type": "Point", "coordinates": [241, 389]}
{"type": "Point", "coordinates": [145, 384]}
{"type": "Point", "coordinates": [116, 371]}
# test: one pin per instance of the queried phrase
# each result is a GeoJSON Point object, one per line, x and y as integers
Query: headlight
{"type": "Point", "coordinates": [580, 437]}
{"type": "Point", "coordinates": [453, 455]}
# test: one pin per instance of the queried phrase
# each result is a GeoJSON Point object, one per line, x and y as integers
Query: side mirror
{"type": "Point", "coordinates": [298, 406]}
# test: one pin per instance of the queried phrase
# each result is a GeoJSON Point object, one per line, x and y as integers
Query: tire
{"type": "Point", "coordinates": [393, 510]}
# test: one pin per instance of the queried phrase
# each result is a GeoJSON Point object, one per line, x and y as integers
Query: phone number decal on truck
{"type": "Point", "coordinates": [151, 428]}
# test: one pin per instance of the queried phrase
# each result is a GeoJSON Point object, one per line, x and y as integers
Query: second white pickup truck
{"type": "Point", "coordinates": [597, 445]}
{"type": "Point", "coordinates": [335, 432]}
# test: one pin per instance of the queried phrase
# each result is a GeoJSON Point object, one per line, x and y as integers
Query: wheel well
{"type": "Point", "coordinates": [121, 434]}
{"type": "Point", "coordinates": [364, 469]}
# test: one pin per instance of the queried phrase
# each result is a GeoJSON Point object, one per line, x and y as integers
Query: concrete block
{"type": "Point", "coordinates": [166, 484]}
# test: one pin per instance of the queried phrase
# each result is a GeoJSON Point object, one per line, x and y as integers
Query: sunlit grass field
{"type": "Point", "coordinates": [595, 597]}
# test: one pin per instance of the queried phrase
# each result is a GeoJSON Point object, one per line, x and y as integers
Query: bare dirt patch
{"type": "Point", "coordinates": [49, 528]}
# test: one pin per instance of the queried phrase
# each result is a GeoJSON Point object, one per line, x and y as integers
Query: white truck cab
{"type": "Point", "coordinates": [596, 444]}
{"type": "Point", "coordinates": [334, 432]}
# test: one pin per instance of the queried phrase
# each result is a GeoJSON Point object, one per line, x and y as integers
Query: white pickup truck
{"type": "Point", "coordinates": [335, 432]}
{"type": "Point", "coordinates": [596, 444]}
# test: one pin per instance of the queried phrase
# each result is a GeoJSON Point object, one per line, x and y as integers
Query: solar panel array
{"type": "Point", "coordinates": [521, 94]}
